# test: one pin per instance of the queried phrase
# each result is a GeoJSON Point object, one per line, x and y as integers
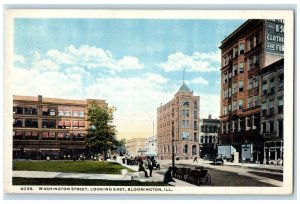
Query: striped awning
{"type": "Point", "coordinates": [34, 134]}
{"type": "Point", "coordinates": [45, 134]}
{"type": "Point", "coordinates": [60, 135]}
{"type": "Point", "coordinates": [51, 134]}
{"type": "Point", "coordinates": [27, 134]}
{"type": "Point", "coordinates": [81, 123]}
{"type": "Point", "coordinates": [61, 123]}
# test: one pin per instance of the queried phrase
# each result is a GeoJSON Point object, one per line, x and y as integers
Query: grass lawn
{"type": "Point", "coordinates": [80, 182]}
{"type": "Point", "coordinates": [70, 166]}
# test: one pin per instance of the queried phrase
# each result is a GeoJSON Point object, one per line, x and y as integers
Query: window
{"type": "Point", "coordinates": [257, 60]}
{"type": "Point", "coordinates": [271, 127]}
{"type": "Point", "coordinates": [240, 124]}
{"type": "Point", "coordinates": [234, 126]}
{"type": "Point", "coordinates": [195, 125]}
{"type": "Point", "coordinates": [81, 114]}
{"type": "Point", "coordinates": [271, 107]}
{"type": "Point", "coordinates": [264, 127]}
{"type": "Point", "coordinates": [229, 108]}
{"type": "Point", "coordinates": [75, 113]}
{"type": "Point", "coordinates": [250, 81]}
{"type": "Point", "coordinates": [185, 149]}
{"type": "Point", "coordinates": [33, 123]}
{"type": "Point", "coordinates": [48, 123]}
{"type": "Point", "coordinates": [272, 90]}
{"type": "Point", "coordinates": [187, 124]}
{"type": "Point", "coordinates": [250, 63]}
{"type": "Point", "coordinates": [235, 69]}
{"type": "Point", "coordinates": [195, 114]}
{"type": "Point", "coordinates": [18, 123]}
{"type": "Point", "coordinates": [248, 123]}
{"type": "Point", "coordinates": [280, 105]}
{"type": "Point", "coordinates": [186, 104]}
{"type": "Point", "coordinates": [255, 100]}
{"type": "Point", "coordinates": [280, 128]}
{"type": "Point", "coordinates": [242, 48]}
{"type": "Point", "coordinates": [18, 110]}
{"type": "Point", "coordinates": [30, 110]}
{"type": "Point", "coordinates": [225, 94]}
{"type": "Point", "coordinates": [183, 124]}
{"type": "Point", "coordinates": [234, 88]}
{"type": "Point", "coordinates": [229, 75]}
{"type": "Point", "coordinates": [240, 104]}
{"type": "Point", "coordinates": [256, 81]}
{"type": "Point", "coordinates": [241, 85]}
{"type": "Point", "coordinates": [264, 88]}
{"type": "Point", "coordinates": [195, 104]}
{"type": "Point", "coordinates": [195, 137]}
{"type": "Point", "coordinates": [280, 78]}
{"type": "Point", "coordinates": [234, 106]}
{"type": "Point", "coordinates": [225, 77]}
{"type": "Point", "coordinates": [229, 92]}
{"type": "Point", "coordinates": [249, 102]}
{"type": "Point", "coordinates": [264, 109]}
{"type": "Point", "coordinates": [256, 39]}
{"type": "Point", "coordinates": [241, 66]}
{"type": "Point", "coordinates": [235, 52]}
{"type": "Point", "coordinates": [250, 43]}
{"type": "Point", "coordinates": [67, 113]}
{"type": "Point", "coordinates": [225, 110]}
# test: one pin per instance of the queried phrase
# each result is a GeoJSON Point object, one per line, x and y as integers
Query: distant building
{"type": "Point", "coordinates": [245, 52]}
{"type": "Point", "coordinates": [209, 131]}
{"type": "Point", "coordinates": [178, 120]}
{"type": "Point", "coordinates": [49, 127]}
{"type": "Point", "coordinates": [151, 146]}
{"type": "Point", "coordinates": [136, 147]}
{"type": "Point", "coordinates": [272, 78]}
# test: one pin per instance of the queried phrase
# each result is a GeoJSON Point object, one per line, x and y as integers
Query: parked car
{"type": "Point", "coordinates": [218, 161]}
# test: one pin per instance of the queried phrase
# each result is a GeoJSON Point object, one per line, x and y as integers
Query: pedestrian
{"type": "Point", "coordinates": [150, 167]}
{"type": "Point", "coordinates": [168, 177]}
{"type": "Point", "coordinates": [195, 159]}
{"type": "Point", "coordinates": [141, 168]}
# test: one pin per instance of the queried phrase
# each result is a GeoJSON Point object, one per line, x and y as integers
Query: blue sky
{"type": "Point", "coordinates": [135, 64]}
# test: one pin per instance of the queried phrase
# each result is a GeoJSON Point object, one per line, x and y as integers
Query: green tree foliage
{"type": "Point", "coordinates": [101, 135]}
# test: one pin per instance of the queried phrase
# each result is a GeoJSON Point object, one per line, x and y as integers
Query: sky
{"type": "Point", "coordinates": [134, 64]}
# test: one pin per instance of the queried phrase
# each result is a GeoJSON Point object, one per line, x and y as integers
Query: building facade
{"type": "Point", "coordinates": [178, 126]}
{"type": "Point", "coordinates": [272, 102]}
{"type": "Point", "coordinates": [136, 147]}
{"type": "Point", "coordinates": [254, 45]}
{"type": "Point", "coordinates": [209, 131]}
{"type": "Point", "coordinates": [51, 127]}
{"type": "Point", "coordinates": [151, 146]}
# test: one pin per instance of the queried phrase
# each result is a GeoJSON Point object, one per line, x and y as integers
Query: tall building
{"type": "Point", "coordinates": [151, 146]}
{"type": "Point", "coordinates": [209, 131]}
{"type": "Point", "coordinates": [272, 78]}
{"type": "Point", "coordinates": [254, 45]}
{"type": "Point", "coordinates": [49, 127]}
{"type": "Point", "coordinates": [178, 125]}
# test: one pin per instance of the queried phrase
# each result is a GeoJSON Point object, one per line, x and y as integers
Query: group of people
{"type": "Point", "coordinates": [151, 163]}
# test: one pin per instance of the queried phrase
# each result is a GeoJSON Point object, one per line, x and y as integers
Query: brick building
{"type": "Point", "coordinates": [272, 78]}
{"type": "Point", "coordinates": [254, 45]}
{"type": "Point", "coordinates": [136, 147]}
{"type": "Point", "coordinates": [209, 131]}
{"type": "Point", "coordinates": [178, 125]}
{"type": "Point", "coordinates": [49, 127]}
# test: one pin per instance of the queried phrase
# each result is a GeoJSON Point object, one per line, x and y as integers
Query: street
{"type": "Point", "coordinates": [229, 175]}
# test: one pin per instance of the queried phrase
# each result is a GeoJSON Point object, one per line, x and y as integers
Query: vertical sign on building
{"type": "Point", "coordinates": [274, 39]}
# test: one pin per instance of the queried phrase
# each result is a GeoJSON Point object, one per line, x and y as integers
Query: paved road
{"type": "Point", "coordinates": [235, 175]}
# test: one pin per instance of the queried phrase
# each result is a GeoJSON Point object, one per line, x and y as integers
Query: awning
{"type": "Point", "coordinates": [27, 134]}
{"type": "Point", "coordinates": [51, 134]}
{"type": "Point", "coordinates": [75, 123]}
{"type": "Point", "coordinates": [45, 109]}
{"type": "Point", "coordinates": [34, 134]}
{"type": "Point", "coordinates": [67, 123]}
{"type": "Point", "coordinates": [81, 123]}
{"type": "Point", "coordinates": [60, 135]}
{"type": "Point", "coordinates": [19, 133]}
{"type": "Point", "coordinates": [45, 134]}
{"type": "Point", "coordinates": [61, 123]}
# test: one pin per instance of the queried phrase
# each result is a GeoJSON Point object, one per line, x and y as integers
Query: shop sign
{"type": "Point", "coordinates": [274, 39]}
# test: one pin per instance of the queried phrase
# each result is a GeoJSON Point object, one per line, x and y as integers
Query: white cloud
{"type": "Point", "coordinates": [198, 80]}
{"type": "Point", "coordinates": [44, 65]}
{"type": "Point", "coordinates": [209, 104]}
{"type": "Point", "coordinates": [198, 62]}
{"type": "Point", "coordinates": [19, 58]}
{"type": "Point", "coordinates": [93, 57]}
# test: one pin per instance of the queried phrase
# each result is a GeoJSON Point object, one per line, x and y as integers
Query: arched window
{"type": "Point", "coordinates": [186, 104]}
{"type": "Point", "coordinates": [210, 139]}
{"type": "Point", "coordinates": [206, 139]}
{"type": "Point", "coordinates": [202, 139]}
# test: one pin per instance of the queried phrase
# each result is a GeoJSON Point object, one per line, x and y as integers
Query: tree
{"type": "Point", "coordinates": [121, 146]}
{"type": "Point", "coordinates": [101, 135]}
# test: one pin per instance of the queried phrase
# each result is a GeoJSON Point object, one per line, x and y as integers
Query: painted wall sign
{"type": "Point", "coordinates": [274, 39]}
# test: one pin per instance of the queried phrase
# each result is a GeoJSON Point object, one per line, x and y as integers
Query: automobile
{"type": "Point", "coordinates": [218, 161]}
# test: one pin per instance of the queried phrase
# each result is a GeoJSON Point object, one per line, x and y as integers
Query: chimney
{"type": "Point", "coordinates": [40, 98]}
